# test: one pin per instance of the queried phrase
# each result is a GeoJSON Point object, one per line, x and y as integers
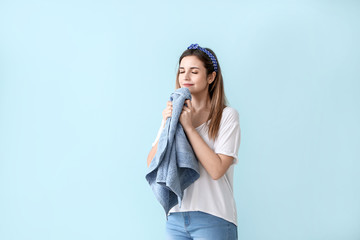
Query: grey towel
{"type": "Point", "coordinates": [175, 166]}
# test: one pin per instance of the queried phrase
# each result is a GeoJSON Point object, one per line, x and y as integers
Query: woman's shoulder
{"type": "Point", "coordinates": [230, 114]}
{"type": "Point", "coordinates": [230, 111]}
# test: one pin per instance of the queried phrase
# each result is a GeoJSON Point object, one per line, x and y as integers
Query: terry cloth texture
{"type": "Point", "coordinates": [175, 166]}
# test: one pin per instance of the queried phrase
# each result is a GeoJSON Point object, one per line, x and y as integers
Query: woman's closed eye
{"type": "Point", "coordinates": [192, 72]}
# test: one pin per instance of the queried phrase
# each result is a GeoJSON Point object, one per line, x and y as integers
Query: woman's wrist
{"type": "Point", "coordinates": [190, 130]}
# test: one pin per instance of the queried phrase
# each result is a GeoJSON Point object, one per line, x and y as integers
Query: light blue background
{"type": "Point", "coordinates": [83, 85]}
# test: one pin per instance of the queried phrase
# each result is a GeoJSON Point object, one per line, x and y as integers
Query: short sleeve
{"type": "Point", "coordinates": [159, 132]}
{"type": "Point", "coordinates": [229, 135]}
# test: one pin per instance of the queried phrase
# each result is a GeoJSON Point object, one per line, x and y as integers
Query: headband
{"type": "Point", "coordinates": [213, 59]}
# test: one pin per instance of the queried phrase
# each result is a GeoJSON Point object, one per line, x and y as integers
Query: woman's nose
{"type": "Point", "coordinates": [186, 75]}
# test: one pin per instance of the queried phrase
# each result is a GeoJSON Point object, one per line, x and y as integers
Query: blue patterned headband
{"type": "Point", "coordinates": [213, 59]}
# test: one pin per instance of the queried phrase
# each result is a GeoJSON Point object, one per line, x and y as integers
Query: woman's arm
{"type": "Point", "coordinates": [215, 164]}
{"type": "Point", "coordinates": [154, 147]}
{"type": "Point", "coordinates": [152, 153]}
{"type": "Point", "coordinates": [166, 114]}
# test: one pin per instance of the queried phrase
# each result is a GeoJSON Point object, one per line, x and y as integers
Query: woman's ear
{"type": "Point", "coordinates": [212, 77]}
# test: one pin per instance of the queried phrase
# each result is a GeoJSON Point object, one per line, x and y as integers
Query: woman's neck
{"type": "Point", "coordinates": [200, 103]}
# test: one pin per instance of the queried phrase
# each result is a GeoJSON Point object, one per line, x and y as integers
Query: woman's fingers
{"type": "Point", "coordinates": [168, 110]}
{"type": "Point", "coordinates": [169, 107]}
{"type": "Point", "coordinates": [189, 103]}
{"type": "Point", "coordinates": [188, 107]}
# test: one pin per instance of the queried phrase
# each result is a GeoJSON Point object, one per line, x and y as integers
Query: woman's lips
{"type": "Point", "coordinates": [188, 85]}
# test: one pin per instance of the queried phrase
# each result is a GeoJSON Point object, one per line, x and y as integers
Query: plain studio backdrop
{"type": "Point", "coordinates": [83, 85]}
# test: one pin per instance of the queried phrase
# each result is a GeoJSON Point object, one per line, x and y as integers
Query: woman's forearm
{"type": "Point", "coordinates": [152, 153]}
{"type": "Point", "coordinates": [154, 148]}
{"type": "Point", "coordinates": [208, 158]}
{"type": "Point", "coordinates": [213, 164]}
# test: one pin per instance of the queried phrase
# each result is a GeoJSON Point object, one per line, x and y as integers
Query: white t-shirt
{"type": "Point", "coordinates": [205, 194]}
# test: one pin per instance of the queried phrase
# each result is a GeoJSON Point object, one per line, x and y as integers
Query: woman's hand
{"type": "Point", "coordinates": [167, 111]}
{"type": "Point", "coordinates": [186, 115]}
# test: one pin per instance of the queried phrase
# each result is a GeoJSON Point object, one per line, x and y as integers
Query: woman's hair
{"type": "Point", "coordinates": [216, 92]}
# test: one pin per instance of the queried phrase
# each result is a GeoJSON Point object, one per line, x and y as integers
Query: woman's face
{"type": "Point", "coordinates": [192, 74]}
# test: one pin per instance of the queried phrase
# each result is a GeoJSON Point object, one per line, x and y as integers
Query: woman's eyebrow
{"type": "Point", "coordinates": [190, 68]}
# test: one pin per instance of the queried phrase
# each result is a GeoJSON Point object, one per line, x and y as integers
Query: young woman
{"type": "Point", "coordinates": [208, 209]}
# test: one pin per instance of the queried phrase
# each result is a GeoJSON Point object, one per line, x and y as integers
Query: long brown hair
{"type": "Point", "coordinates": [216, 92]}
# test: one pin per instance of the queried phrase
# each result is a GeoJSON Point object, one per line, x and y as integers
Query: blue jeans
{"type": "Point", "coordinates": [199, 225]}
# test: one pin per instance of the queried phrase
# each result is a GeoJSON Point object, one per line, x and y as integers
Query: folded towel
{"type": "Point", "coordinates": [175, 166]}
